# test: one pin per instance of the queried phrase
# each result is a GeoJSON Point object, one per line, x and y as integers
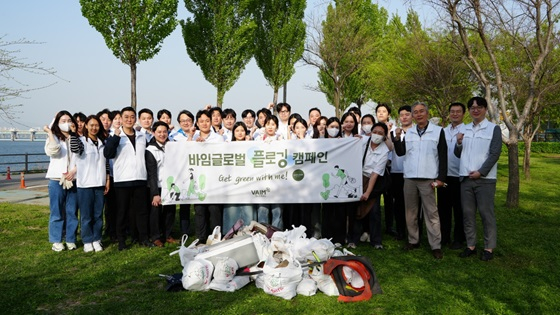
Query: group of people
{"type": "Point", "coordinates": [109, 163]}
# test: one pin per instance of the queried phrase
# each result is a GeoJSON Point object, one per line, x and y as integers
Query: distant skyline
{"type": "Point", "coordinates": [93, 79]}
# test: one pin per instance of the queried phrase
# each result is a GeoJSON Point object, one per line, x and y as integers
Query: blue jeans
{"type": "Point", "coordinates": [276, 209]}
{"type": "Point", "coordinates": [91, 202]}
{"type": "Point", "coordinates": [62, 201]}
{"type": "Point", "coordinates": [234, 212]}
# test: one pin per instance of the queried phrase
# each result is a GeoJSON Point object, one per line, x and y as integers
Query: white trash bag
{"type": "Point", "coordinates": [281, 277]}
{"type": "Point", "coordinates": [307, 287]}
{"type": "Point", "coordinates": [224, 271]}
{"type": "Point", "coordinates": [197, 275]}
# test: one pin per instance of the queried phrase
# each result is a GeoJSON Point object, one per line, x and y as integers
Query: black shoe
{"type": "Point", "coordinates": [148, 244]}
{"type": "Point", "coordinates": [437, 253]}
{"type": "Point", "coordinates": [456, 245]}
{"type": "Point", "coordinates": [486, 256]}
{"type": "Point", "coordinates": [122, 246]}
{"type": "Point", "coordinates": [410, 246]}
{"type": "Point", "coordinates": [399, 237]}
{"type": "Point", "coordinates": [467, 253]}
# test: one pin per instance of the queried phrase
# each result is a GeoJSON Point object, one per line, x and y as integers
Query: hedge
{"type": "Point", "coordinates": [537, 147]}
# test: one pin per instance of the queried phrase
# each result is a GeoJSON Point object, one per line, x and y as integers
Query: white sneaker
{"type": "Point", "coordinates": [88, 248]}
{"type": "Point", "coordinates": [97, 246]}
{"type": "Point", "coordinates": [57, 247]}
{"type": "Point", "coordinates": [364, 237]}
{"type": "Point", "coordinates": [71, 246]}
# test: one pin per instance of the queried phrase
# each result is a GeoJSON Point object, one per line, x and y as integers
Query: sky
{"type": "Point", "coordinates": [89, 78]}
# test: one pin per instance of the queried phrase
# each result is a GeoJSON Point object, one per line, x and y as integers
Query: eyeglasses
{"type": "Point", "coordinates": [477, 108]}
{"type": "Point", "coordinates": [184, 121]}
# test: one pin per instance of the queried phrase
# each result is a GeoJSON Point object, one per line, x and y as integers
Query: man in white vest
{"type": "Point", "coordinates": [479, 149]}
{"type": "Point", "coordinates": [425, 168]}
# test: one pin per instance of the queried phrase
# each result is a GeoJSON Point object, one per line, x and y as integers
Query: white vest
{"type": "Point", "coordinates": [130, 164]}
{"type": "Point", "coordinates": [158, 156]}
{"type": "Point", "coordinates": [451, 138]}
{"type": "Point", "coordinates": [91, 165]}
{"type": "Point", "coordinates": [421, 158]}
{"type": "Point", "coordinates": [476, 146]}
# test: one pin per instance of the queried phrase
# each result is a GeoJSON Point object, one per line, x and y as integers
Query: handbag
{"type": "Point", "coordinates": [381, 186]}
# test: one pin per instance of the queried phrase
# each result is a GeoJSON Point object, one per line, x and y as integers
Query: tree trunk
{"type": "Point", "coordinates": [512, 199]}
{"type": "Point", "coordinates": [133, 85]}
{"type": "Point", "coordinates": [336, 100]}
{"type": "Point", "coordinates": [527, 158]}
{"type": "Point", "coordinates": [275, 96]}
{"type": "Point", "coordinates": [220, 98]}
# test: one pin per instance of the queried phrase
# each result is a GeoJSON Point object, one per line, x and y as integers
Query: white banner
{"type": "Point", "coordinates": [246, 172]}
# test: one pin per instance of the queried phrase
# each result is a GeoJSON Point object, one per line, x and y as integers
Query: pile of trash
{"type": "Point", "coordinates": [281, 263]}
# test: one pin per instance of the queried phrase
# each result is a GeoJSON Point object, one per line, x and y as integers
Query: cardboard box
{"type": "Point", "coordinates": [241, 249]}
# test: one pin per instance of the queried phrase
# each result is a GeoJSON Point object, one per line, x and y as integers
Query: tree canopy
{"type": "Point", "coordinates": [220, 40]}
{"type": "Point", "coordinates": [132, 29]}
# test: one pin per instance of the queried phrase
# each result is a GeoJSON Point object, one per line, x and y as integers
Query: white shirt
{"type": "Point", "coordinates": [376, 159]}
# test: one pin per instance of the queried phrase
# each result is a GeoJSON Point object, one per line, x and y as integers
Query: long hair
{"type": "Point", "coordinates": [101, 134]}
{"type": "Point", "coordinates": [355, 129]}
{"type": "Point", "coordinates": [55, 129]}
{"type": "Point", "coordinates": [330, 121]}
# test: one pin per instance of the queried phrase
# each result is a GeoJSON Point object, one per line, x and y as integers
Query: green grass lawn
{"type": "Point", "coordinates": [523, 277]}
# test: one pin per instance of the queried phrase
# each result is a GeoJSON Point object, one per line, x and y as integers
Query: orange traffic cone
{"type": "Point", "coordinates": [8, 175]}
{"type": "Point", "coordinates": [22, 181]}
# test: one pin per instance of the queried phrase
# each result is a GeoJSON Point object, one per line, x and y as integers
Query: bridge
{"type": "Point", "coordinates": [23, 135]}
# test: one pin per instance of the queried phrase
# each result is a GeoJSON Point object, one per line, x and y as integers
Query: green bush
{"type": "Point", "coordinates": [537, 147]}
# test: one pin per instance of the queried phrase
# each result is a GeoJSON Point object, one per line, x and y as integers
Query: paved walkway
{"type": "Point", "coordinates": [36, 191]}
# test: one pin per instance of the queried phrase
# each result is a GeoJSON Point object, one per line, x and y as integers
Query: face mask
{"type": "Point", "coordinates": [367, 128]}
{"type": "Point", "coordinates": [65, 127]}
{"type": "Point", "coordinates": [377, 139]}
{"type": "Point", "coordinates": [333, 132]}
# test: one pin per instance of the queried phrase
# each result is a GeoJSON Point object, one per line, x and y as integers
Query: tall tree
{"type": "Point", "coordinates": [419, 64]}
{"type": "Point", "coordinates": [524, 23]}
{"type": "Point", "coordinates": [132, 29]}
{"type": "Point", "coordinates": [279, 39]}
{"type": "Point", "coordinates": [220, 40]}
{"type": "Point", "coordinates": [340, 46]}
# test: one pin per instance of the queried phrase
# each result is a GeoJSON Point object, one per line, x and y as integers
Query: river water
{"type": "Point", "coordinates": [36, 162]}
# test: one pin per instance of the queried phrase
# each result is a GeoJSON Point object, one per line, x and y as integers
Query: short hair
{"type": "Point", "coordinates": [269, 118]}
{"type": "Point", "coordinates": [103, 112]}
{"type": "Point", "coordinates": [79, 115]}
{"type": "Point", "coordinates": [185, 112]}
{"type": "Point", "coordinates": [237, 124]}
{"type": "Point", "coordinates": [300, 120]}
{"type": "Point", "coordinates": [382, 125]}
{"type": "Point", "coordinates": [314, 108]}
{"type": "Point", "coordinates": [163, 111]}
{"type": "Point", "coordinates": [128, 109]}
{"type": "Point", "coordinates": [480, 101]}
{"type": "Point", "coordinates": [383, 105]}
{"type": "Point", "coordinates": [247, 112]}
{"type": "Point", "coordinates": [203, 112]}
{"type": "Point", "coordinates": [279, 107]}
{"type": "Point", "coordinates": [159, 123]}
{"type": "Point", "coordinates": [420, 103]}
{"type": "Point", "coordinates": [370, 116]}
{"type": "Point", "coordinates": [406, 108]}
{"type": "Point", "coordinates": [355, 110]}
{"type": "Point", "coordinates": [216, 109]}
{"type": "Point", "coordinates": [146, 111]}
{"type": "Point", "coordinates": [229, 111]}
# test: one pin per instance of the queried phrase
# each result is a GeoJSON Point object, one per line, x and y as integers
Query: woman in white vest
{"type": "Point", "coordinates": [62, 191]}
{"type": "Point", "coordinates": [92, 180]}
